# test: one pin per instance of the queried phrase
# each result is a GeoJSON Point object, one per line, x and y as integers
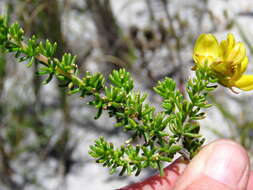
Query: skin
{"type": "Point", "coordinates": [220, 165]}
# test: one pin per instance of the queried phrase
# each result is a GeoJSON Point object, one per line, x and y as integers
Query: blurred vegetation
{"type": "Point", "coordinates": [39, 125]}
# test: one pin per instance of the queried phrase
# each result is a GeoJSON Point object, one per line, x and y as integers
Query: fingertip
{"type": "Point", "coordinates": [223, 161]}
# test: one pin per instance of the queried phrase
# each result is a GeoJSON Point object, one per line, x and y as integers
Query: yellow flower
{"type": "Point", "coordinates": [227, 59]}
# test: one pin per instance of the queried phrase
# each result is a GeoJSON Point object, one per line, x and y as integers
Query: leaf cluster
{"type": "Point", "coordinates": [160, 134]}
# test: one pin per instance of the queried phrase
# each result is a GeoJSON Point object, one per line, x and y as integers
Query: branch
{"type": "Point", "coordinates": [161, 134]}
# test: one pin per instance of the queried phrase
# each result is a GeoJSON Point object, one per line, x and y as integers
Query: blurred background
{"type": "Point", "coordinates": [45, 134]}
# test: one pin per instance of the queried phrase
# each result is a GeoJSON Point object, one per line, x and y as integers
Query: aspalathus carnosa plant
{"type": "Point", "coordinates": [162, 134]}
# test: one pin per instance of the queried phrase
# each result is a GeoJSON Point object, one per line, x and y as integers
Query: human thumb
{"type": "Point", "coordinates": [221, 165]}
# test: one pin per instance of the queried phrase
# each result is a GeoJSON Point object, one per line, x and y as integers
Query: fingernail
{"type": "Point", "coordinates": [227, 164]}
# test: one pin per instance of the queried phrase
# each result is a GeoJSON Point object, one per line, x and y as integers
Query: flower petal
{"type": "Point", "coordinates": [228, 44]}
{"type": "Point", "coordinates": [245, 82]}
{"type": "Point", "coordinates": [223, 46]}
{"type": "Point", "coordinates": [230, 41]}
{"type": "Point", "coordinates": [237, 54]}
{"type": "Point", "coordinates": [244, 64]}
{"type": "Point", "coordinates": [241, 68]}
{"type": "Point", "coordinates": [207, 45]}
